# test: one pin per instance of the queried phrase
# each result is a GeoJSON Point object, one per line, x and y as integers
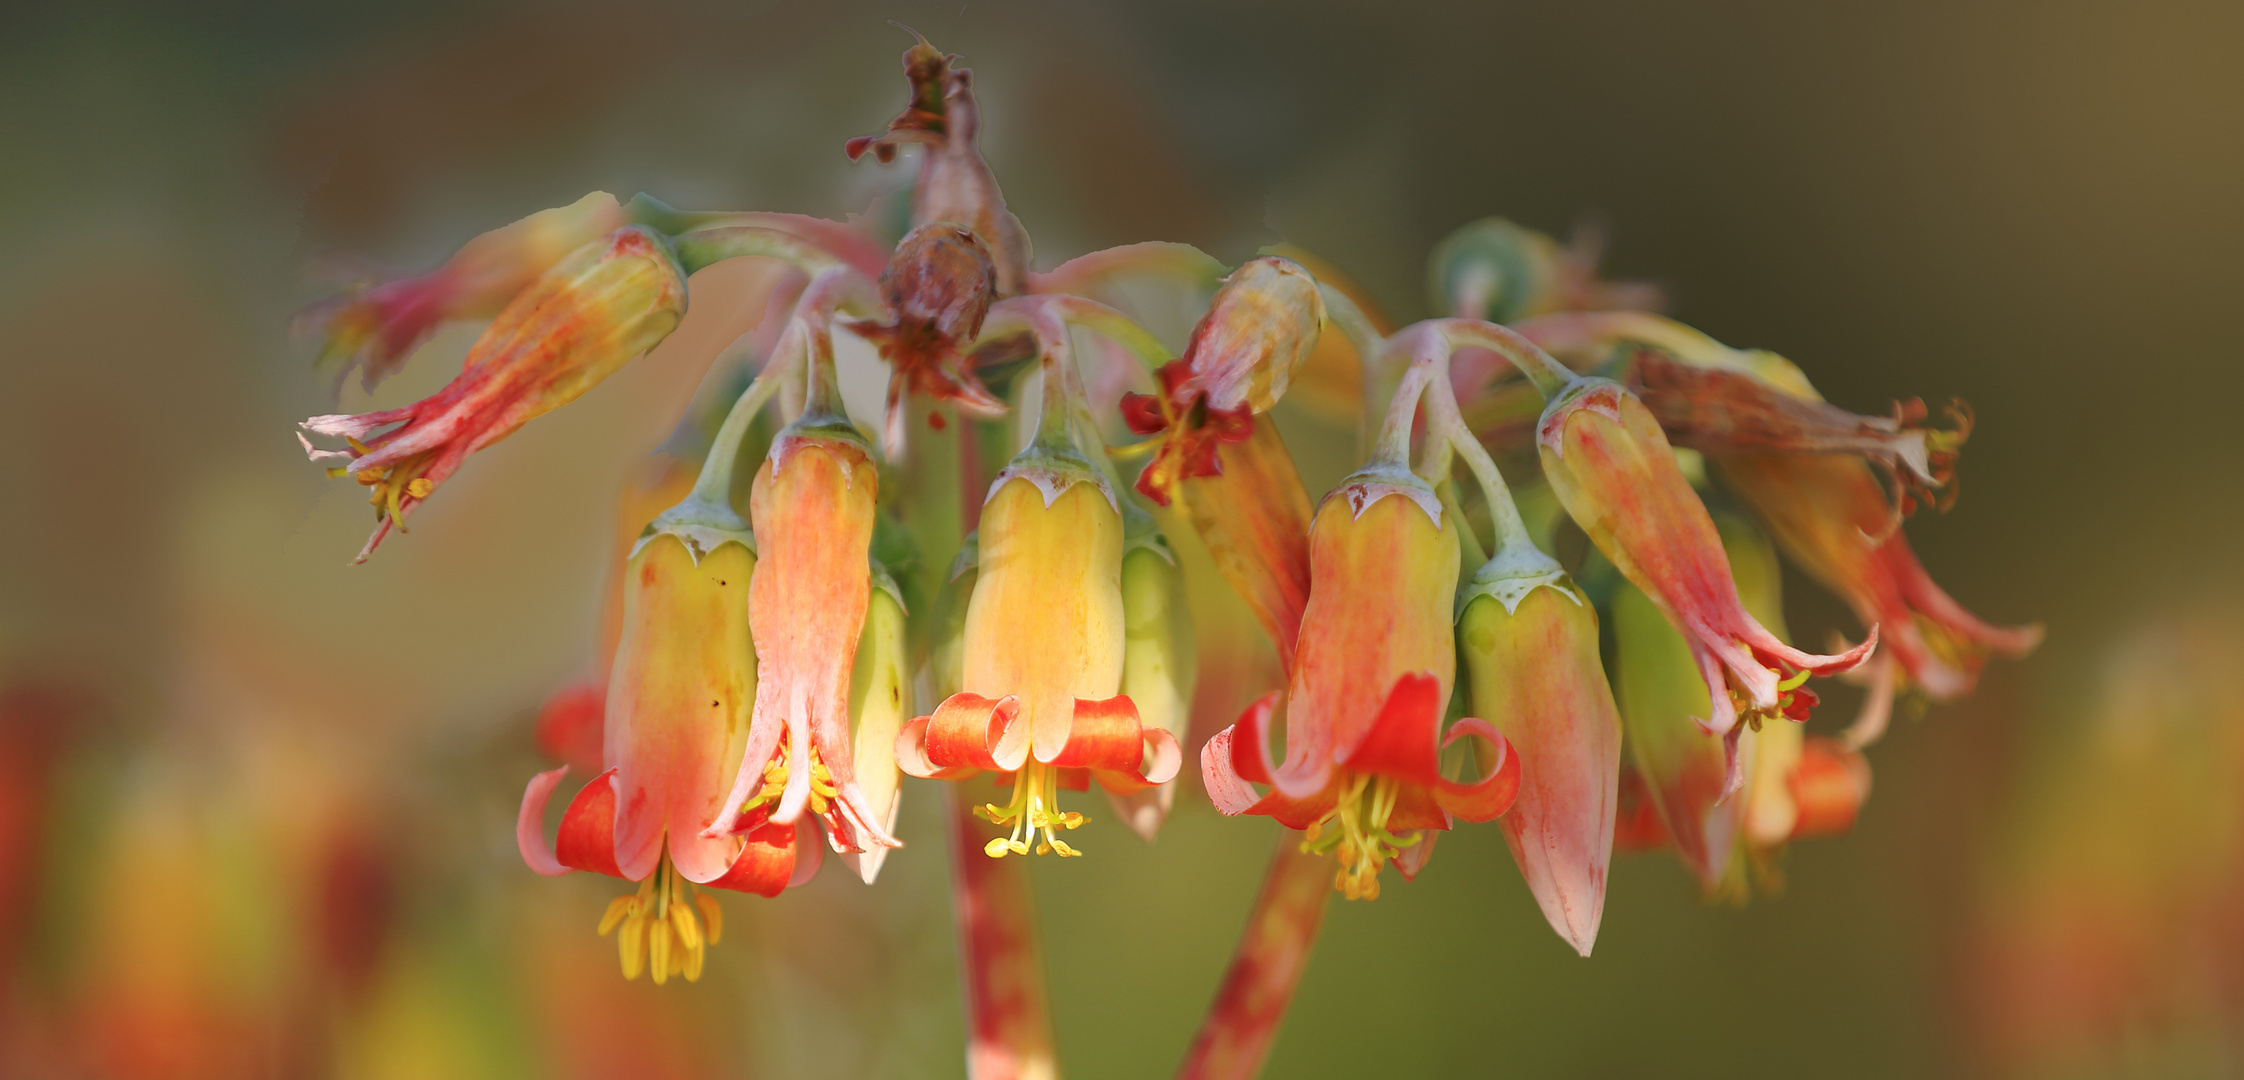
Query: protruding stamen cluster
{"type": "Point", "coordinates": [1794, 700]}
{"type": "Point", "coordinates": [1034, 809]}
{"type": "Point", "coordinates": [1356, 828]}
{"type": "Point", "coordinates": [392, 484]}
{"type": "Point", "coordinates": [660, 931]}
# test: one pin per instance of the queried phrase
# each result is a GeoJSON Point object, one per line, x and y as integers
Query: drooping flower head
{"type": "Point", "coordinates": [1372, 674]}
{"type": "Point", "coordinates": [1045, 642]}
{"type": "Point", "coordinates": [1832, 517]}
{"type": "Point", "coordinates": [606, 303]}
{"type": "Point", "coordinates": [1614, 471]}
{"type": "Point", "coordinates": [375, 327]}
{"type": "Point", "coordinates": [679, 701]}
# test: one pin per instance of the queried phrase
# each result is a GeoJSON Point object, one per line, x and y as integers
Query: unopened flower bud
{"type": "Point", "coordinates": [1158, 665]}
{"type": "Point", "coordinates": [1534, 672]}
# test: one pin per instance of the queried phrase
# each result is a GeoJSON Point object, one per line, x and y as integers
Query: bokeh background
{"type": "Point", "coordinates": [254, 803]}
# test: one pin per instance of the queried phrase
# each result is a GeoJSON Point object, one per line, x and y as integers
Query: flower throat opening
{"type": "Point", "coordinates": [1356, 830]}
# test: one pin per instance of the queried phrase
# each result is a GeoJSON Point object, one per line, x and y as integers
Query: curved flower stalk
{"type": "Point", "coordinates": [374, 327]}
{"type": "Point", "coordinates": [1370, 682]}
{"type": "Point", "coordinates": [1045, 635]}
{"type": "Point", "coordinates": [1529, 641]}
{"type": "Point", "coordinates": [606, 303]}
{"type": "Point", "coordinates": [1810, 472]}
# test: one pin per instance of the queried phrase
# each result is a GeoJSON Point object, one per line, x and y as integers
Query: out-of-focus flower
{"type": "Point", "coordinates": [1370, 684]}
{"type": "Point", "coordinates": [607, 302]}
{"type": "Point", "coordinates": [375, 327]}
{"type": "Point", "coordinates": [880, 702]}
{"type": "Point", "coordinates": [2106, 930]}
{"type": "Point", "coordinates": [955, 184]}
{"type": "Point", "coordinates": [1496, 270]}
{"type": "Point", "coordinates": [1830, 514]}
{"type": "Point", "coordinates": [812, 510]}
{"type": "Point", "coordinates": [1681, 772]}
{"type": "Point", "coordinates": [1533, 671]}
{"type": "Point", "coordinates": [1614, 471]}
{"type": "Point", "coordinates": [678, 711]}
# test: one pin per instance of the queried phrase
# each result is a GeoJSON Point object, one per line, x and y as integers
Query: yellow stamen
{"type": "Point", "coordinates": [1356, 830]}
{"type": "Point", "coordinates": [659, 930]}
{"type": "Point", "coordinates": [1034, 809]}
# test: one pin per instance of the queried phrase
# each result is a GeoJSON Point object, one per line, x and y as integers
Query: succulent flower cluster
{"type": "Point", "coordinates": [950, 591]}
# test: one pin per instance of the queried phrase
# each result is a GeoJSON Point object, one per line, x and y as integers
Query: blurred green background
{"type": "Point", "coordinates": [2033, 206]}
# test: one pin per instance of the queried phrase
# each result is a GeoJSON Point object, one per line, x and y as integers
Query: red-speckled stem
{"type": "Point", "coordinates": [1272, 954]}
{"type": "Point", "coordinates": [1008, 1029]}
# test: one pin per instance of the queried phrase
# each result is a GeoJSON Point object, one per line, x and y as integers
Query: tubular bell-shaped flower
{"type": "Point", "coordinates": [375, 327]}
{"type": "Point", "coordinates": [1372, 673]}
{"type": "Point", "coordinates": [1045, 639]}
{"type": "Point", "coordinates": [606, 303]}
{"type": "Point", "coordinates": [811, 507]}
{"type": "Point", "coordinates": [1615, 473]}
{"type": "Point", "coordinates": [677, 716]}
{"type": "Point", "coordinates": [1534, 672]}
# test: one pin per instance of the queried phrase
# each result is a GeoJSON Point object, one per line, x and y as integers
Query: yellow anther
{"type": "Point", "coordinates": [419, 487]}
{"type": "Point", "coordinates": [1060, 846]}
{"type": "Point", "coordinates": [659, 943]}
{"type": "Point", "coordinates": [632, 945]}
{"type": "Point", "coordinates": [998, 848]}
{"type": "Point", "coordinates": [337, 472]}
{"type": "Point", "coordinates": [1020, 847]}
{"type": "Point", "coordinates": [682, 921]}
{"type": "Point", "coordinates": [617, 909]}
{"type": "Point", "coordinates": [711, 914]}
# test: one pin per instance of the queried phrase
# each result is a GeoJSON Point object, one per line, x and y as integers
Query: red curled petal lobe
{"type": "Point", "coordinates": [765, 865]}
{"type": "Point", "coordinates": [587, 840]}
{"type": "Point", "coordinates": [810, 850]}
{"type": "Point", "coordinates": [974, 732]}
{"type": "Point", "coordinates": [529, 823]}
{"type": "Point", "coordinates": [1401, 741]}
{"type": "Point", "coordinates": [1141, 413]}
{"type": "Point", "coordinates": [1491, 795]}
{"type": "Point", "coordinates": [1228, 790]}
{"type": "Point", "coordinates": [911, 754]}
{"type": "Point", "coordinates": [1103, 736]}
